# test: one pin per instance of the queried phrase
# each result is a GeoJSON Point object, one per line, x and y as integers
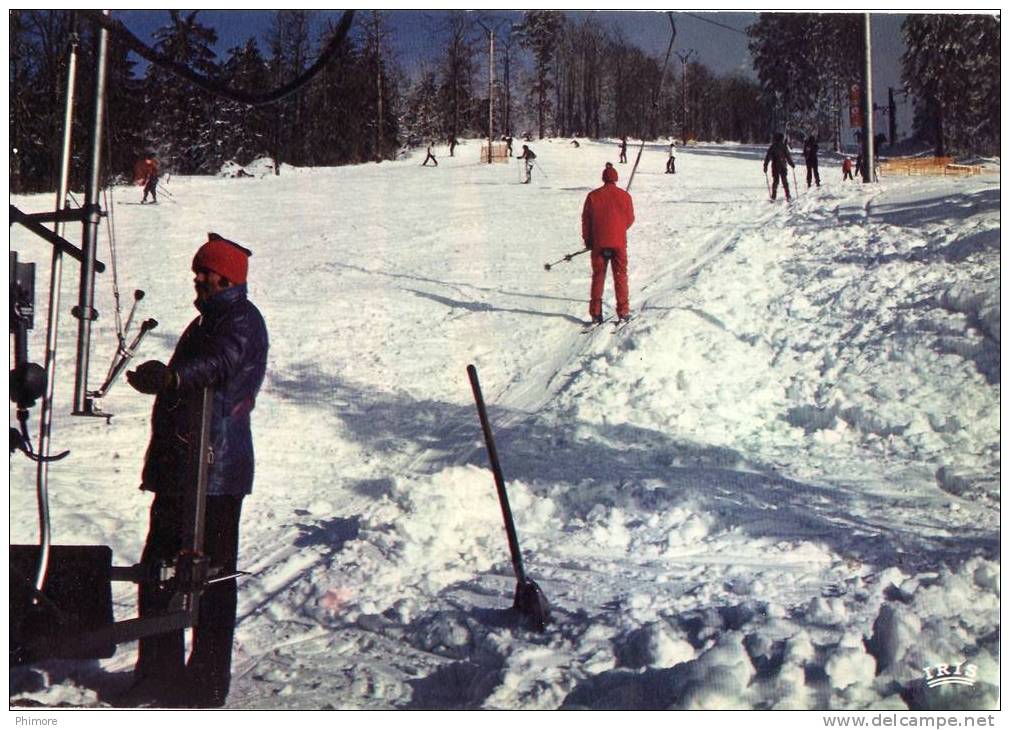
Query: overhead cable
{"type": "Point", "coordinates": [117, 28]}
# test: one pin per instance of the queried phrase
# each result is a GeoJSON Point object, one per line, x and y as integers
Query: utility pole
{"type": "Point", "coordinates": [490, 84]}
{"type": "Point", "coordinates": [377, 29]}
{"type": "Point", "coordinates": [892, 111]}
{"type": "Point", "coordinates": [867, 151]}
{"type": "Point", "coordinates": [508, 85]}
{"type": "Point", "coordinates": [684, 56]}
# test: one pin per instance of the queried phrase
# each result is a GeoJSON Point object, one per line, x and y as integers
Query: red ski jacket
{"type": "Point", "coordinates": [606, 217]}
{"type": "Point", "coordinates": [144, 169]}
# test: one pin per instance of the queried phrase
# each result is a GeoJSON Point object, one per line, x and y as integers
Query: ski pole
{"type": "Point", "coordinates": [537, 165]}
{"type": "Point", "coordinates": [567, 257]}
{"type": "Point", "coordinates": [138, 294]}
{"type": "Point", "coordinates": [795, 184]}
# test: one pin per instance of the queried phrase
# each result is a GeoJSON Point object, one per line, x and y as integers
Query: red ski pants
{"type": "Point", "coordinates": [619, 267]}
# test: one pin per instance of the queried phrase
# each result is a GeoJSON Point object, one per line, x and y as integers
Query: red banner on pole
{"type": "Point", "coordinates": [855, 106]}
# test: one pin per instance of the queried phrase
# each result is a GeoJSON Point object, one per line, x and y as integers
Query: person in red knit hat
{"type": "Point", "coordinates": [224, 349]}
{"type": "Point", "coordinates": [606, 217]}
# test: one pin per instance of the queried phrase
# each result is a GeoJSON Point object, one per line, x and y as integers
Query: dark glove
{"type": "Point", "coordinates": [150, 377]}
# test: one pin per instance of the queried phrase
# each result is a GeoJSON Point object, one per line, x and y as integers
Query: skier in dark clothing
{"type": "Point", "coordinates": [508, 144]}
{"type": "Point", "coordinates": [528, 156]}
{"type": "Point", "coordinates": [607, 215]}
{"type": "Point", "coordinates": [779, 157]}
{"type": "Point", "coordinates": [431, 156]}
{"type": "Point", "coordinates": [225, 348]}
{"type": "Point", "coordinates": [846, 169]}
{"type": "Point", "coordinates": [671, 162]}
{"type": "Point", "coordinates": [624, 150]}
{"type": "Point", "coordinates": [810, 157]}
{"type": "Point", "coordinates": [452, 147]}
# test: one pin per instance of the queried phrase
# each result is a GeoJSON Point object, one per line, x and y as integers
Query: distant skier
{"type": "Point", "coordinates": [624, 150]}
{"type": "Point", "coordinates": [575, 143]}
{"type": "Point", "coordinates": [452, 145]}
{"type": "Point", "coordinates": [671, 162]}
{"type": "Point", "coordinates": [606, 217]}
{"type": "Point", "coordinates": [145, 173]}
{"type": "Point", "coordinates": [779, 157]}
{"type": "Point", "coordinates": [810, 158]}
{"type": "Point", "coordinates": [508, 144]}
{"type": "Point", "coordinates": [846, 169]}
{"type": "Point", "coordinates": [431, 156]}
{"type": "Point", "coordinates": [528, 156]}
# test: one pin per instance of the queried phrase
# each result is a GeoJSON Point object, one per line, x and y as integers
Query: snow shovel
{"type": "Point", "coordinates": [529, 601]}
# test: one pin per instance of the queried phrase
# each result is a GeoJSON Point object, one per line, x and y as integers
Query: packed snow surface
{"type": "Point", "coordinates": [777, 487]}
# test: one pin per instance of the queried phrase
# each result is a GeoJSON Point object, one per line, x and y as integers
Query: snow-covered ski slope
{"type": "Point", "coordinates": [778, 487]}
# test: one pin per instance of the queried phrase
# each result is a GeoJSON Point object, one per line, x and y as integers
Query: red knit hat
{"type": "Point", "coordinates": [609, 174]}
{"type": "Point", "coordinates": [224, 257]}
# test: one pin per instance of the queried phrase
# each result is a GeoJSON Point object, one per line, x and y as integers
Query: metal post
{"type": "Point", "coordinates": [868, 172]}
{"type": "Point", "coordinates": [684, 56]}
{"type": "Point", "coordinates": [490, 100]}
{"type": "Point", "coordinates": [892, 125]}
{"type": "Point", "coordinates": [85, 310]}
{"type": "Point", "coordinates": [52, 325]}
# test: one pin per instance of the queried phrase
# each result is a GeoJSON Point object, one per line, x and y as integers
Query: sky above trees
{"type": "Point", "coordinates": [417, 37]}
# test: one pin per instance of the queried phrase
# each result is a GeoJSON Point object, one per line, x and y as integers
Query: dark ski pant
{"type": "Point", "coordinates": [618, 259]}
{"type": "Point", "coordinates": [161, 658]}
{"type": "Point", "coordinates": [151, 188]}
{"type": "Point", "coordinates": [671, 166]}
{"type": "Point", "coordinates": [432, 158]}
{"type": "Point", "coordinates": [812, 173]}
{"type": "Point", "coordinates": [776, 175]}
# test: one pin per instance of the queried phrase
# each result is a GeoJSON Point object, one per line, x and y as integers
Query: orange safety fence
{"type": "Point", "coordinates": [926, 166]}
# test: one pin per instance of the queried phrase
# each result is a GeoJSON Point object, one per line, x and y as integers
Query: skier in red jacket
{"type": "Point", "coordinates": [606, 217]}
{"type": "Point", "coordinates": [145, 173]}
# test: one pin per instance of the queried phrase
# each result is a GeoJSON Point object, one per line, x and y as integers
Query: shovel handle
{"type": "Point", "coordinates": [499, 480]}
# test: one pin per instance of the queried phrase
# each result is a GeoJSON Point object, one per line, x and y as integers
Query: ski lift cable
{"type": "Point", "coordinates": [714, 22]}
{"type": "Point", "coordinates": [655, 95]}
{"type": "Point", "coordinates": [117, 28]}
{"type": "Point", "coordinates": [110, 225]}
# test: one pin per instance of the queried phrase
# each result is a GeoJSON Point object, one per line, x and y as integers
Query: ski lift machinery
{"type": "Point", "coordinates": [61, 595]}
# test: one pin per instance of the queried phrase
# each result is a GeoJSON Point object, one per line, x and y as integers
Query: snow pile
{"type": "Point", "coordinates": [776, 488]}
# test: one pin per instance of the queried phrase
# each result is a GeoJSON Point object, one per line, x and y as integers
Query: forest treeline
{"type": "Point", "coordinates": [555, 76]}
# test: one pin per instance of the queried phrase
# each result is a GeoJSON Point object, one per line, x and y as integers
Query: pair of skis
{"type": "Point", "coordinates": [617, 323]}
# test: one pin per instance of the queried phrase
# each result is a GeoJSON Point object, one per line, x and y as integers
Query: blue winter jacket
{"type": "Point", "coordinates": [225, 348]}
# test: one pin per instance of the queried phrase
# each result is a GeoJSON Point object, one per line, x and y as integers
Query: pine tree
{"type": "Point", "coordinates": [804, 62]}
{"type": "Point", "coordinates": [456, 82]}
{"type": "Point", "coordinates": [179, 116]}
{"type": "Point", "coordinates": [952, 66]}
{"type": "Point", "coordinates": [540, 32]}
{"type": "Point", "coordinates": [248, 127]}
{"type": "Point", "coordinates": [421, 120]}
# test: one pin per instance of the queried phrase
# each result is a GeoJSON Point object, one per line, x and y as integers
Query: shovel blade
{"type": "Point", "coordinates": [532, 605]}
